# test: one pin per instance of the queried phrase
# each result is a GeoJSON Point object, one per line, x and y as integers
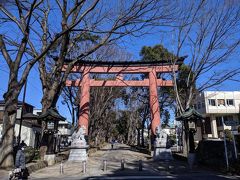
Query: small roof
{"type": "Point", "coordinates": [51, 113]}
{"type": "Point", "coordinates": [29, 116]}
{"type": "Point", "coordinates": [189, 113]}
{"type": "Point", "coordinates": [63, 122]}
{"type": "Point", "coordinates": [2, 102]}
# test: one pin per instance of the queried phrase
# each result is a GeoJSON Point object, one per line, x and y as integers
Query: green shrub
{"type": "Point", "coordinates": [212, 153]}
{"type": "Point", "coordinates": [228, 134]}
{"type": "Point", "coordinates": [29, 153]}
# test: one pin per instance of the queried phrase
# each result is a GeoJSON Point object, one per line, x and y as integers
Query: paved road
{"type": "Point", "coordinates": [151, 170]}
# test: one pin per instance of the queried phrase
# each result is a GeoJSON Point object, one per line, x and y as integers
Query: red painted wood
{"type": "Point", "coordinates": [84, 103]}
{"type": "Point", "coordinates": [124, 70]}
{"type": "Point", "coordinates": [85, 83]}
{"type": "Point", "coordinates": [153, 100]}
{"type": "Point", "coordinates": [119, 83]}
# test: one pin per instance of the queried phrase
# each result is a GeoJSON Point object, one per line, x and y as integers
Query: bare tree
{"type": "Point", "coordinates": [98, 23]}
{"type": "Point", "coordinates": [13, 52]}
{"type": "Point", "coordinates": [209, 31]}
{"type": "Point", "coordinates": [71, 99]}
{"type": "Point", "coordinates": [42, 26]}
{"type": "Point", "coordinates": [89, 26]}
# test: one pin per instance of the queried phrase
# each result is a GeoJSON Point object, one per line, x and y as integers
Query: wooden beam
{"type": "Point", "coordinates": [122, 69]}
{"type": "Point", "coordinates": [119, 83]}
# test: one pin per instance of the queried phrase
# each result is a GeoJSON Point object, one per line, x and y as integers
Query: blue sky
{"type": "Point", "coordinates": [132, 45]}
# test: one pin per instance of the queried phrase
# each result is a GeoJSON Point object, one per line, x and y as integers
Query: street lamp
{"type": "Point", "coordinates": [190, 119]}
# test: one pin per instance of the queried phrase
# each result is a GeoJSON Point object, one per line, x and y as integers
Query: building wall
{"type": "Point", "coordinates": [222, 107]}
{"type": "Point", "coordinates": [27, 135]}
{"type": "Point", "coordinates": [64, 131]}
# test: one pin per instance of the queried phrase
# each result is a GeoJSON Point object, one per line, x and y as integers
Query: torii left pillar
{"type": "Point", "coordinates": [84, 102]}
{"type": "Point", "coordinates": [153, 101]}
{"type": "Point", "coordinates": [79, 146]}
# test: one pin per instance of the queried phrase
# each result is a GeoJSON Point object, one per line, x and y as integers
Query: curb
{"type": "Point", "coordinates": [36, 166]}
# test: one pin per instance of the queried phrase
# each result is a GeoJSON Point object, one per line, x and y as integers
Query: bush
{"type": "Point", "coordinates": [229, 135]}
{"type": "Point", "coordinates": [212, 153]}
{"type": "Point", "coordinates": [235, 167]}
{"type": "Point", "coordinates": [29, 153]}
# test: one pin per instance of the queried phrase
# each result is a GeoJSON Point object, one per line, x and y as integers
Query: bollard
{"type": "Point", "coordinates": [61, 168]}
{"type": "Point", "coordinates": [140, 165]}
{"type": "Point", "coordinates": [84, 167]}
{"type": "Point", "coordinates": [122, 164]}
{"type": "Point", "coordinates": [104, 165]}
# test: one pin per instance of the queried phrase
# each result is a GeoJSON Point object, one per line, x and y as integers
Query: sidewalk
{"type": "Point", "coordinates": [74, 170]}
{"type": "Point", "coordinates": [4, 174]}
{"type": "Point", "coordinates": [151, 170]}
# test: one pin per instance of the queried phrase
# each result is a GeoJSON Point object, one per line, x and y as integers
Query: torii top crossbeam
{"type": "Point", "coordinates": [120, 68]}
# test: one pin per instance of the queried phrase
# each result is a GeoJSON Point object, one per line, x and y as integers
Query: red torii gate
{"type": "Point", "coordinates": [120, 68]}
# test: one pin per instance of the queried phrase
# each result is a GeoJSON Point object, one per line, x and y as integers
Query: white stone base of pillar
{"type": "Point", "coordinates": [50, 158]}
{"type": "Point", "coordinates": [78, 154]}
{"type": "Point", "coordinates": [161, 153]}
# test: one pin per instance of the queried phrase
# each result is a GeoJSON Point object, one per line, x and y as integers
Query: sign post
{"type": "Point", "coordinates": [225, 145]}
{"type": "Point", "coordinates": [234, 144]}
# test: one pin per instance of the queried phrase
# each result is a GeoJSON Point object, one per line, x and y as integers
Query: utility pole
{"type": "Point", "coordinates": [225, 145]}
{"type": "Point", "coordinates": [21, 117]}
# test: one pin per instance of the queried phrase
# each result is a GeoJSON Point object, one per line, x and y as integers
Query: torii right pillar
{"type": "Point", "coordinates": [154, 104]}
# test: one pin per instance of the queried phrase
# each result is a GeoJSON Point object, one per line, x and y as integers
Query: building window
{"type": "Point", "coordinates": [228, 118]}
{"type": "Point", "coordinates": [212, 102]}
{"type": "Point", "coordinates": [219, 121]}
{"type": "Point", "coordinates": [230, 102]}
{"type": "Point", "coordinates": [203, 105]}
{"type": "Point", "coordinates": [221, 102]}
{"type": "Point", "coordinates": [225, 118]}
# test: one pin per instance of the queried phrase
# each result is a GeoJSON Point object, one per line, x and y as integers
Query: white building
{"type": "Point", "coordinates": [64, 128]}
{"type": "Point", "coordinates": [31, 127]}
{"type": "Point", "coordinates": [218, 107]}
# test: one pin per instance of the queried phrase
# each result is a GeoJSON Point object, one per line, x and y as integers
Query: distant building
{"type": "Point", "coordinates": [64, 128]}
{"type": "Point", "coordinates": [170, 130]}
{"type": "Point", "coordinates": [31, 126]}
{"type": "Point", "coordinates": [217, 106]}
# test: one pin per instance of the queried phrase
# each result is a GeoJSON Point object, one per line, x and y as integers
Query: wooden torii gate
{"type": "Point", "coordinates": [120, 68]}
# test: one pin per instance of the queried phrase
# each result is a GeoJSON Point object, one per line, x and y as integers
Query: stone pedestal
{"type": "Point", "coordinates": [50, 158]}
{"type": "Point", "coordinates": [78, 154]}
{"type": "Point", "coordinates": [78, 147]}
{"type": "Point", "coordinates": [161, 152]}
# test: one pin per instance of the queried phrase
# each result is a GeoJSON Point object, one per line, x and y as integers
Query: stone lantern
{"type": "Point", "coordinates": [190, 119]}
{"type": "Point", "coordinates": [50, 118]}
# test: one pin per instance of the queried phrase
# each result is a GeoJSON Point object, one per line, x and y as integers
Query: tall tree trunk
{"type": "Point", "coordinates": [138, 136]}
{"type": "Point", "coordinates": [49, 100]}
{"type": "Point", "coordinates": [142, 133]}
{"type": "Point", "coordinates": [9, 119]}
{"type": "Point", "coordinates": [149, 140]}
{"type": "Point", "coordinates": [6, 158]}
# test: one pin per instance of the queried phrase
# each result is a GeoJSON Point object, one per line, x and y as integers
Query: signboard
{"type": "Point", "coordinates": [231, 123]}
